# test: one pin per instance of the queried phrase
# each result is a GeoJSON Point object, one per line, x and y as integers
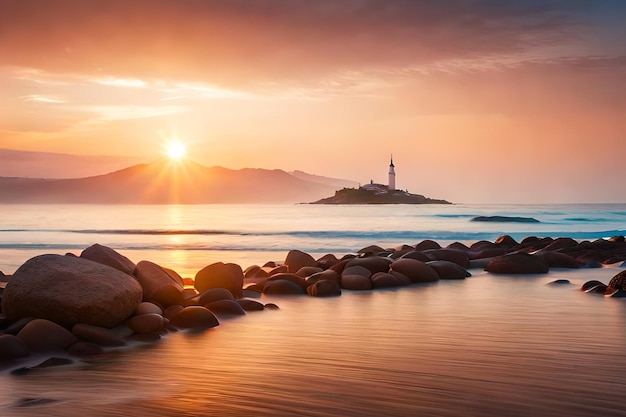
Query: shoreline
{"type": "Point", "coordinates": [154, 301]}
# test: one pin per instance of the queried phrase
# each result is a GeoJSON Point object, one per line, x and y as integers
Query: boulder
{"type": "Point", "coordinates": [417, 255]}
{"type": "Point", "coordinates": [384, 280]}
{"type": "Point", "coordinates": [307, 271]}
{"type": "Point", "coordinates": [226, 307]}
{"type": "Point", "coordinates": [518, 263]}
{"type": "Point", "coordinates": [426, 245]}
{"type": "Point", "coordinates": [297, 259]}
{"type": "Point", "coordinates": [250, 305]}
{"type": "Point", "coordinates": [45, 336]}
{"type": "Point", "coordinates": [147, 308]}
{"type": "Point", "coordinates": [561, 243]}
{"type": "Point", "coordinates": [329, 274]}
{"type": "Point", "coordinates": [373, 263]}
{"type": "Point", "coordinates": [210, 295]}
{"type": "Point", "coordinates": [591, 284]}
{"type": "Point", "coordinates": [356, 282]}
{"type": "Point", "coordinates": [98, 335]}
{"type": "Point", "coordinates": [107, 256]}
{"type": "Point", "coordinates": [194, 317]}
{"type": "Point", "coordinates": [220, 275]}
{"type": "Point", "coordinates": [70, 290]}
{"type": "Point", "coordinates": [289, 277]}
{"type": "Point", "coordinates": [507, 241]}
{"type": "Point", "coordinates": [415, 270]}
{"type": "Point", "coordinates": [618, 282]}
{"type": "Point", "coordinates": [327, 261]}
{"type": "Point", "coordinates": [153, 278]}
{"type": "Point", "coordinates": [283, 287]}
{"type": "Point", "coordinates": [372, 249]}
{"type": "Point", "coordinates": [452, 255]}
{"type": "Point", "coordinates": [146, 323]}
{"type": "Point", "coordinates": [324, 288]}
{"type": "Point", "coordinates": [402, 279]}
{"type": "Point", "coordinates": [448, 270]}
{"type": "Point", "coordinates": [84, 349]}
{"type": "Point", "coordinates": [12, 347]}
{"type": "Point", "coordinates": [357, 270]}
{"type": "Point", "coordinates": [557, 259]}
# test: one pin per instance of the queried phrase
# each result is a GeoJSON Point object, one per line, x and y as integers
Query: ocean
{"type": "Point", "coordinates": [489, 345]}
{"type": "Point", "coordinates": [189, 237]}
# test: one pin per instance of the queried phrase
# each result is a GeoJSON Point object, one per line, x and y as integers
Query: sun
{"type": "Point", "coordinates": [176, 150]}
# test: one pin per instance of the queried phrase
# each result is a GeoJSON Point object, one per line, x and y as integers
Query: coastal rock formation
{"type": "Point", "coordinates": [518, 263]}
{"type": "Point", "coordinates": [107, 256]}
{"type": "Point", "coordinates": [504, 219]}
{"type": "Point", "coordinates": [297, 259]}
{"type": "Point", "coordinates": [365, 196]}
{"type": "Point", "coordinates": [70, 290]}
{"type": "Point", "coordinates": [220, 275]}
{"type": "Point", "coordinates": [415, 270]}
{"type": "Point", "coordinates": [158, 285]}
{"type": "Point", "coordinates": [618, 282]}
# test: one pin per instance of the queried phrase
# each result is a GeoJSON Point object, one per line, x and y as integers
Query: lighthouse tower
{"type": "Point", "coordinates": [392, 176]}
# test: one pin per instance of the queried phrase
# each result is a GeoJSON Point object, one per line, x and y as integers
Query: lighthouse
{"type": "Point", "coordinates": [392, 176]}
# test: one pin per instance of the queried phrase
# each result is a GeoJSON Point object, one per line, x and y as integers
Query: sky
{"type": "Point", "coordinates": [479, 101]}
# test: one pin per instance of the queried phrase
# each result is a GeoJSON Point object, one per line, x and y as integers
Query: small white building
{"type": "Point", "coordinates": [380, 188]}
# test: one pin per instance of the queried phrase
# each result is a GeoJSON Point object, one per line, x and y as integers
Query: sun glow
{"type": "Point", "coordinates": [176, 150]}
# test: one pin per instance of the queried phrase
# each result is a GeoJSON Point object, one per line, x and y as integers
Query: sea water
{"type": "Point", "coordinates": [188, 237]}
{"type": "Point", "coordinates": [488, 345]}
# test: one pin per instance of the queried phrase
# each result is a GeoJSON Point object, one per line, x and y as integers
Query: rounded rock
{"type": "Point", "coordinates": [42, 335]}
{"type": "Point", "coordinates": [70, 290]}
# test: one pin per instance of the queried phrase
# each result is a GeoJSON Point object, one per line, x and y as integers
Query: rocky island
{"type": "Point", "coordinates": [373, 193]}
{"type": "Point", "coordinates": [365, 195]}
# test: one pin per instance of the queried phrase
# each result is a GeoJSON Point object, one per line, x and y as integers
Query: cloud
{"type": "Point", "coordinates": [239, 42]}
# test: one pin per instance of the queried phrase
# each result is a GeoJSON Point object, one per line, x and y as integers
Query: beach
{"type": "Point", "coordinates": [488, 344]}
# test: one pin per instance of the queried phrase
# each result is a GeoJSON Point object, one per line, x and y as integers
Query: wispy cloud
{"type": "Point", "coordinates": [125, 112]}
{"type": "Point", "coordinates": [43, 99]}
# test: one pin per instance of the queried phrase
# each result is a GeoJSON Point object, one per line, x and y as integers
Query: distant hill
{"type": "Point", "coordinates": [336, 183]}
{"type": "Point", "coordinates": [363, 196]}
{"type": "Point", "coordinates": [164, 182]}
{"type": "Point", "coordinates": [31, 164]}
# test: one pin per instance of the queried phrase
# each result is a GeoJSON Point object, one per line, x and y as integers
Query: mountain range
{"type": "Point", "coordinates": [170, 182]}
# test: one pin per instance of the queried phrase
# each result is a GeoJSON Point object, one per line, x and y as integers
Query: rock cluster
{"type": "Point", "coordinates": [79, 306]}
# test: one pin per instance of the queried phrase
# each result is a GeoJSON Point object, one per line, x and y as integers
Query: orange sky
{"type": "Point", "coordinates": [479, 101]}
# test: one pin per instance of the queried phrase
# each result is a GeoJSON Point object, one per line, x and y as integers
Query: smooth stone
{"type": "Point", "coordinates": [518, 263]}
{"type": "Point", "coordinates": [271, 306]}
{"type": "Point", "coordinates": [558, 260]}
{"type": "Point", "coordinates": [106, 256]}
{"type": "Point", "coordinates": [448, 270]}
{"type": "Point", "coordinates": [15, 327]}
{"type": "Point", "coordinates": [12, 347]}
{"type": "Point", "coordinates": [402, 279]}
{"type": "Point", "coordinates": [297, 259]}
{"type": "Point", "coordinates": [373, 264]}
{"type": "Point", "coordinates": [283, 287]}
{"type": "Point", "coordinates": [84, 349]}
{"type": "Point", "coordinates": [157, 283]}
{"type": "Point", "coordinates": [373, 249]}
{"type": "Point", "coordinates": [618, 282]}
{"type": "Point", "coordinates": [172, 311]}
{"type": "Point", "coordinates": [591, 284]}
{"type": "Point", "coordinates": [70, 290]}
{"type": "Point", "coordinates": [384, 280]}
{"type": "Point", "coordinates": [327, 261]}
{"type": "Point", "coordinates": [324, 288]}
{"type": "Point", "coordinates": [324, 275]}
{"type": "Point", "coordinates": [146, 323]}
{"type": "Point", "coordinates": [356, 270]}
{"type": "Point", "coordinates": [560, 282]}
{"type": "Point", "coordinates": [220, 275]}
{"type": "Point", "coordinates": [250, 305]}
{"type": "Point", "coordinates": [356, 282]}
{"type": "Point", "coordinates": [417, 255]}
{"type": "Point", "coordinates": [450, 255]}
{"type": "Point", "coordinates": [98, 335]}
{"type": "Point", "coordinates": [147, 308]}
{"type": "Point", "coordinates": [506, 240]}
{"type": "Point", "coordinates": [175, 276]}
{"type": "Point", "coordinates": [415, 270]}
{"type": "Point", "coordinates": [288, 277]}
{"type": "Point", "coordinates": [252, 293]}
{"type": "Point", "coordinates": [194, 317]}
{"type": "Point", "coordinates": [211, 295]}
{"type": "Point", "coordinates": [307, 271]}
{"type": "Point", "coordinates": [229, 307]}
{"type": "Point", "coordinates": [42, 335]}
{"type": "Point", "coordinates": [426, 245]}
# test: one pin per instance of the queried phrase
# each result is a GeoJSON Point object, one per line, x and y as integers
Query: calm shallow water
{"type": "Point", "coordinates": [485, 346]}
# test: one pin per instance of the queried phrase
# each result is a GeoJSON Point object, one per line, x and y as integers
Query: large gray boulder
{"type": "Point", "coordinates": [69, 290]}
